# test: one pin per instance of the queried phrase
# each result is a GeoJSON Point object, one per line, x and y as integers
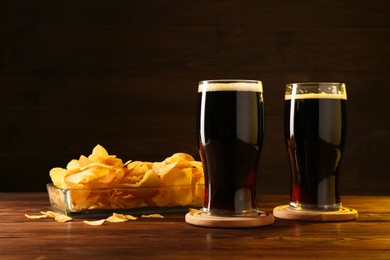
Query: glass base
{"type": "Point", "coordinates": [228, 213]}
{"type": "Point", "coordinates": [299, 206]}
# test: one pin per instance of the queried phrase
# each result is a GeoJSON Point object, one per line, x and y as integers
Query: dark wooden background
{"type": "Point", "coordinates": [124, 74]}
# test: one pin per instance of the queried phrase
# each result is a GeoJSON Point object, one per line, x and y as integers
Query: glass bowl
{"type": "Point", "coordinates": [129, 200]}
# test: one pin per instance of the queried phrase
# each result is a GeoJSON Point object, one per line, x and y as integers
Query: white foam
{"type": "Point", "coordinates": [231, 85]}
{"type": "Point", "coordinates": [317, 96]}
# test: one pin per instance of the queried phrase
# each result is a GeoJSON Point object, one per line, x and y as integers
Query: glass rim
{"type": "Point", "coordinates": [230, 85]}
{"type": "Point", "coordinates": [315, 90]}
{"type": "Point", "coordinates": [229, 81]}
{"type": "Point", "coordinates": [316, 83]}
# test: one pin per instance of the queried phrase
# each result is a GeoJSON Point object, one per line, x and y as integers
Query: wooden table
{"type": "Point", "coordinates": [171, 238]}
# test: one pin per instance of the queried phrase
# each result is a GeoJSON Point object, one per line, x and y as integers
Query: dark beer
{"type": "Point", "coordinates": [315, 136]}
{"type": "Point", "coordinates": [230, 131]}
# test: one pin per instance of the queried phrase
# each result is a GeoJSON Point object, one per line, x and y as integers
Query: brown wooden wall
{"type": "Point", "coordinates": [124, 74]}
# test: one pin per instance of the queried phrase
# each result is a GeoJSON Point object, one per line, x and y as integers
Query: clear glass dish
{"type": "Point", "coordinates": [140, 200]}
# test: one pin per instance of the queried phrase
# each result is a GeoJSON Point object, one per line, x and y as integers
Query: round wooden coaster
{"type": "Point", "coordinates": [202, 219]}
{"type": "Point", "coordinates": [343, 214]}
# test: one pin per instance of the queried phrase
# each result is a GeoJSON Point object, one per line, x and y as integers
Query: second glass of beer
{"type": "Point", "coordinates": [230, 126]}
{"type": "Point", "coordinates": [315, 135]}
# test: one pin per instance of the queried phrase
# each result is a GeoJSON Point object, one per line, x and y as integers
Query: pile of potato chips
{"type": "Point", "coordinates": [103, 181]}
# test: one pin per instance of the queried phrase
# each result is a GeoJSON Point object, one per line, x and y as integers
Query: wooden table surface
{"type": "Point", "coordinates": [171, 238]}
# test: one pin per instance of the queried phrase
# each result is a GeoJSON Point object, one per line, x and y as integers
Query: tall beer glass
{"type": "Point", "coordinates": [230, 136]}
{"type": "Point", "coordinates": [315, 135]}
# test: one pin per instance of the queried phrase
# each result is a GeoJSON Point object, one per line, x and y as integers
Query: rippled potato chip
{"type": "Point", "coordinates": [103, 181]}
{"type": "Point", "coordinates": [94, 222]}
{"type": "Point", "coordinates": [115, 218]}
{"type": "Point", "coordinates": [152, 216]}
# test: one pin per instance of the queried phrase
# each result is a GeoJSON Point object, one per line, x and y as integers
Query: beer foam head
{"type": "Point", "coordinates": [316, 90]}
{"type": "Point", "coordinates": [316, 96]}
{"type": "Point", "coordinates": [230, 85]}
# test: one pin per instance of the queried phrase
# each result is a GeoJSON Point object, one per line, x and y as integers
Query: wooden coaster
{"type": "Point", "coordinates": [202, 219]}
{"type": "Point", "coordinates": [343, 214]}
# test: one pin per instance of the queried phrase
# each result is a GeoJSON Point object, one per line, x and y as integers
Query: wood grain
{"type": "Point", "coordinates": [125, 75]}
{"type": "Point", "coordinates": [171, 237]}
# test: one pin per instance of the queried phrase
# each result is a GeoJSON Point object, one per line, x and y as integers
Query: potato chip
{"type": "Point", "coordinates": [82, 198]}
{"type": "Point", "coordinates": [98, 153]}
{"type": "Point", "coordinates": [175, 188]}
{"type": "Point", "coordinates": [127, 163]}
{"type": "Point", "coordinates": [57, 176]}
{"type": "Point", "coordinates": [137, 177]}
{"type": "Point", "coordinates": [94, 222]}
{"type": "Point", "coordinates": [179, 157]}
{"type": "Point", "coordinates": [177, 177]}
{"type": "Point", "coordinates": [123, 198]}
{"type": "Point", "coordinates": [174, 196]}
{"type": "Point", "coordinates": [152, 216]}
{"type": "Point", "coordinates": [130, 217]}
{"type": "Point", "coordinates": [135, 171]}
{"type": "Point", "coordinates": [57, 216]}
{"type": "Point", "coordinates": [73, 165]}
{"type": "Point", "coordinates": [35, 216]}
{"type": "Point", "coordinates": [162, 168]}
{"type": "Point", "coordinates": [117, 218]}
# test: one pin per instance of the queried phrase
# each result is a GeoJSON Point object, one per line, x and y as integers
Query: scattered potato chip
{"type": "Point", "coordinates": [117, 218]}
{"type": "Point", "coordinates": [57, 216]}
{"type": "Point", "coordinates": [94, 222]}
{"type": "Point", "coordinates": [35, 216]}
{"type": "Point", "coordinates": [130, 217]}
{"type": "Point", "coordinates": [152, 216]}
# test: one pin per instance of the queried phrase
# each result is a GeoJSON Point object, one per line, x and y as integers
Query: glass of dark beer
{"type": "Point", "coordinates": [230, 115]}
{"type": "Point", "coordinates": [314, 130]}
